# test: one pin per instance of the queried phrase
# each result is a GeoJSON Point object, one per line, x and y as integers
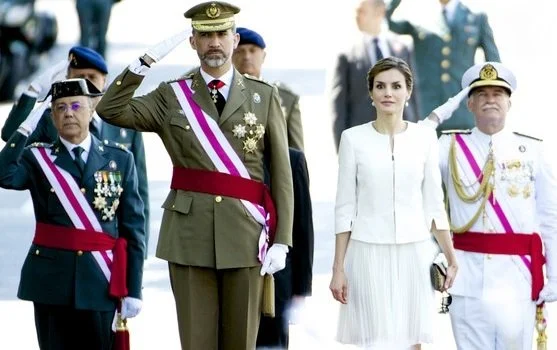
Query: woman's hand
{"type": "Point", "coordinates": [339, 287]}
{"type": "Point", "coordinates": [451, 274]}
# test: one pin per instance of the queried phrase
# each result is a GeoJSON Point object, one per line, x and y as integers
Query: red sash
{"type": "Point", "coordinates": [69, 238]}
{"type": "Point", "coordinates": [515, 244]}
{"type": "Point", "coordinates": [212, 182]}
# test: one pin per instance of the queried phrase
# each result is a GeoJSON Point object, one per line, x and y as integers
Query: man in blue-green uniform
{"type": "Point", "coordinates": [444, 49]}
{"type": "Point", "coordinates": [87, 252]}
{"type": "Point", "coordinates": [88, 64]}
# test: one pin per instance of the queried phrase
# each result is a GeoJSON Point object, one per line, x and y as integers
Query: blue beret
{"type": "Point", "coordinates": [83, 57]}
{"type": "Point", "coordinates": [248, 36]}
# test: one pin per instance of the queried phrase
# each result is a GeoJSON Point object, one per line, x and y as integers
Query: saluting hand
{"type": "Point", "coordinates": [44, 81]}
{"type": "Point", "coordinates": [446, 110]}
{"type": "Point", "coordinates": [339, 287]}
{"type": "Point", "coordinates": [163, 48]}
{"type": "Point", "coordinates": [30, 123]}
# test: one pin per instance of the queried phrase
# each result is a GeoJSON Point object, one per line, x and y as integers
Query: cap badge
{"type": "Point", "coordinates": [212, 11]}
{"type": "Point", "coordinates": [488, 72]}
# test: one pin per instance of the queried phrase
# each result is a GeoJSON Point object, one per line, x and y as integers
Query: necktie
{"type": "Point", "coordinates": [218, 98]}
{"type": "Point", "coordinates": [378, 53]}
{"type": "Point", "coordinates": [446, 17]}
{"type": "Point", "coordinates": [78, 160]}
{"type": "Point", "coordinates": [93, 129]}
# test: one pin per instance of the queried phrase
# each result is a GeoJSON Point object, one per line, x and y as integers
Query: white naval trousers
{"type": "Point", "coordinates": [505, 324]}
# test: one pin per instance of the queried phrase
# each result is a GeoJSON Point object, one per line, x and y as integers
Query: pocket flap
{"type": "Point", "coordinates": [181, 122]}
{"type": "Point", "coordinates": [178, 201]}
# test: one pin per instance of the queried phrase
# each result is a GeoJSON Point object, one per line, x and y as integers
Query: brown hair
{"type": "Point", "coordinates": [390, 63]}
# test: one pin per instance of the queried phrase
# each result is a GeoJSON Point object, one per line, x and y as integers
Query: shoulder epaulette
{"type": "Point", "coordinates": [284, 88]}
{"type": "Point", "coordinates": [456, 131]}
{"type": "Point", "coordinates": [40, 144]}
{"type": "Point", "coordinates": [528, 136]}
{"type": "Point", "coordinates": [252, 78]}
{"type": "Point", "coordinates": [116, 145]}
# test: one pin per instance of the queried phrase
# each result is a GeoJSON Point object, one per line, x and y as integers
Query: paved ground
{"type": "Point", "coordinates": [301, 48]}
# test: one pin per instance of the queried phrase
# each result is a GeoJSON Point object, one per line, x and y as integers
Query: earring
{"type": "Point", "coordinates": [373, 103]}
{"type": "Point", "coordinates": [406, 104]}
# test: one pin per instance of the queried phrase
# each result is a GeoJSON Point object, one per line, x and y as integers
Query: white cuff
{"type": "Point", "coordinates": [137, 68]}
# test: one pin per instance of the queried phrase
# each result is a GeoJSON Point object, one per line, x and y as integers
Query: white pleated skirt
{"type": "Point", "coordinates": [390, 297]}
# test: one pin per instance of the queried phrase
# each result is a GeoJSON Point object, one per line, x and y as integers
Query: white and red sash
{"type": "Point", "coordinates": [220, 152]}
{"type": "Point", "coordinates": [494, 204]}
{"type": "Point", "coordinates": [74, 202]}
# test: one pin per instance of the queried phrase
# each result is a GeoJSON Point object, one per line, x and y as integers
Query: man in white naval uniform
{"type": "Point", "coordinates": [502, 193]}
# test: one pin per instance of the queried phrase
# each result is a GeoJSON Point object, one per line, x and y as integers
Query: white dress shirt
{"type": "Point", "coordinates": [525, 189]}
{"type": "Point", "coordinates": [85, 144]}
{"type": "Point", "coordinates": [226, 78]}
{"type": "Point", "coordinates": [389, 197]}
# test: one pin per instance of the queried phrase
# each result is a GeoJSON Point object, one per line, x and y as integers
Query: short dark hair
{"type": "Point", "coordinates": [390, 63]}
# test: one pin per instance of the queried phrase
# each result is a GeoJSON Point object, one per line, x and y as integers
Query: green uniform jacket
{"type": "Point", "coordinates": [46, 132]}
{"type": "Point", "coordinates": [199, 229]}
{"type": "Point", "coordinates": [63, 277]}
{"type": "Point", "coordinates": [290, 105]}
{"type": "Point", "coordinates": [442, 59]}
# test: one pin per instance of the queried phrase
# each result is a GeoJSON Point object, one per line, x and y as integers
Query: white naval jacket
{"type": "Point", "coordinates": [526, 190]}
{"type": "Point", "coordinates": [384, 197]}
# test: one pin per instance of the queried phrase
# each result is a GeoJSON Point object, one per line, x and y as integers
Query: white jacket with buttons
{"type": "Point", "coordinates": [386, 197]}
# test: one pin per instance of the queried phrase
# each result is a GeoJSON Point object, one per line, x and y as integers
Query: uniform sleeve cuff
{"type": "Point", "coordinates": [138, 68]}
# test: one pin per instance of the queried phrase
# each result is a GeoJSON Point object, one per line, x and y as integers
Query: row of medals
{"type": "Point", "coordinates": [108, 189]}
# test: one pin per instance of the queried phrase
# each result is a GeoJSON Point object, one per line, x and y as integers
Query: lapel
{"type": "Point", "coordinates": [459, 18]}
{"type": "Point", "coordinates": [202, 97]}
{"type": "Point", "coordinates": [96, 159]}
{"type": "Point", "coordinates": [64, 160]}
{"type": "Point", "coordinates": [236, 97]}
{"type": "Point", "coordinates": [362, 53]}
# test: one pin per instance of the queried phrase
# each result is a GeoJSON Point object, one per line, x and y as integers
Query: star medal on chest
{"type": "Point", "coordinates": [518, 176]}
{"type": "Point", "coordinates": [108, 188]}
{"type": "Point", "coordinates": [250, 132]}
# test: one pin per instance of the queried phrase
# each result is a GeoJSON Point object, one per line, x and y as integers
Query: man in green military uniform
{"type": "Point", "coordinates": [217, 126]}
{"type": "Point", "coordinates": [443, 51]}
{"type": "Point", "coordinates": [248, 58]}
{"type": "Point", "coordinates": [87, 252]}
{"type": "Point", "coordinates": [87, 64]}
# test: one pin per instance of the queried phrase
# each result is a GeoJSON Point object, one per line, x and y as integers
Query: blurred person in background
{"type": "Point", "coordinates": [443, 51]}
{"type": "Point", "coordinates": [351, 104]}
{"type": "Point", "coordinates": [94, 16]}
{"type": "Point", "coordinates": [248, 58]}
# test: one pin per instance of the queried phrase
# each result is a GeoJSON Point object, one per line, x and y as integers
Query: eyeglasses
{"type": "Point", "coordinates": [63, 108]}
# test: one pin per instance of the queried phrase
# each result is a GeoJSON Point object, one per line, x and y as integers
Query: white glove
{"type": "Point", "coordinates": [159, 51]}
{"type": "Point", "coordinates": [130, 307]}
{"type": "Point", "coordinates": [445, 111]}
{"type": "Point", "coordinates": [549, 292]}
{"type": "Point", "coordinates": [275, 260]}
{"type": "Point", "coordinates": [30, 123]}
{"type": "Point", "coordinates": [44, 81]}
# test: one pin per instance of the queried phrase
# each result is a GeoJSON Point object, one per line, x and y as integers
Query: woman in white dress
{"type": "Point", "coordinates": [389, 202]}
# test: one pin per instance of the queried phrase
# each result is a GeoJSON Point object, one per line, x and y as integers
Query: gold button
{"type": "Point", "coordinates": [52, 190]}
{"type": "Point", "coordinates": [173, 206]}
{"type": "Point", "coordinates": [471, 41]}
{"type": "Point", "coordinates": [445, 77]}
{"type": "Point", "coordinates": [447, 38]}
{"type": "Point", "coordinates": [12, 145]}
{"type": "Point", "coordinates": [445, 64]}
{"type": "Point", "coordinates": [187, 127]}
{"type": "Point", "coordinates": [218, 199]}
{"type": "Point", "coordinates": [82, 190]}
{"type": "Point", "coordinates": [421, 35]}
{"type": "Point", "coordinates": [118, 82]}
{"type": "Point", "coordinates": [446, 51]}
{"type": "Point", "coordinates": [37, 252]}
{"type": "Point", "coordinates": [488, 256]}
{"type": "Point", "coordinates": [79, 253]}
